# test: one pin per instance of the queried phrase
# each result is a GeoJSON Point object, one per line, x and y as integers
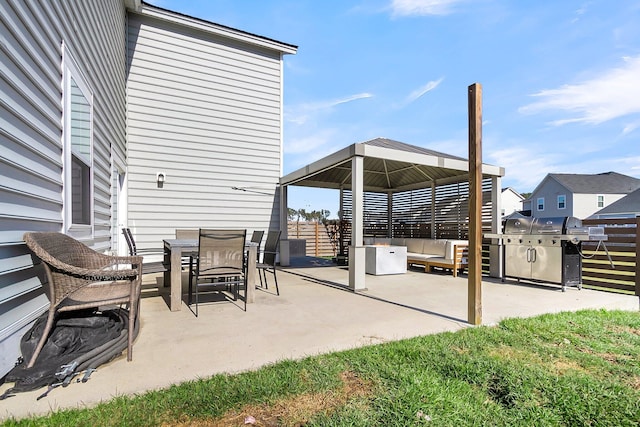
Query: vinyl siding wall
{"type": "Point", "coordinates": [550, 191]}
{"type": "Point", "coordinates": [205, 111]}
{"type": "Point", "coordinates": [31, 169]}
{"type": "Point", "coordinates": [585, 205]}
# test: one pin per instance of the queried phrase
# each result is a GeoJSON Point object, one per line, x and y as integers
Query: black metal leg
{"type": "Point", "coordinates": [196, 296]}
{"type": "Point", "coordinates": [276, 280]}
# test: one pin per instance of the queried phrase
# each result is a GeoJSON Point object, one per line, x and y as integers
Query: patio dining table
{"type": "Point", "coordinates": [175, 249]}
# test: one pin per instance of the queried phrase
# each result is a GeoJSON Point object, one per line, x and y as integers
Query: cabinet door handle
{"type": "Point", "coordinates": [534, 255]}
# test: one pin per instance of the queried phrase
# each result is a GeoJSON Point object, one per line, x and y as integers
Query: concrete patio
{"type": "Point", "coordinates": [314, 314]}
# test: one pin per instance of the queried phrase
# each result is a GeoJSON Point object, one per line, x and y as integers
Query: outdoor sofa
{"type": "Point", "coordinates": [429, 253]}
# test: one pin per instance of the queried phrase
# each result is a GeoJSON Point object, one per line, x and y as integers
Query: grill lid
{"type": "Point", "coordinates": [550, 225]}
{"type": "Point", "coordinates": [573, 222]}
{"type": "Point", "coordinates": [518, 225]}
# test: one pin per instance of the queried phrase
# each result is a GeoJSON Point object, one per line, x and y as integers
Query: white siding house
{"type": "Point", "coordinates": [578, 195]}
{"type": "Point", "coordinates": [627, 207]}
{"type": "Point", "coordinates": [87, 121]}
{"type": "Point", "coordinates": [204, 111]}
{"type": "Point", "coordinates": [510, 201]}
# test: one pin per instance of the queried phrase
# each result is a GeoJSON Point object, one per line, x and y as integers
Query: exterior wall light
{"type": "Point", "coordinates": [160, 178]}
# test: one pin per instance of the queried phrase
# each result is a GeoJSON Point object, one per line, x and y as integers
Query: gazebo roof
{"type": "Point", "coordinates": [388, 166]}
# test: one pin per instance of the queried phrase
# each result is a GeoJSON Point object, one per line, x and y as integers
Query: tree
{"type": "Point", "coordinates": [318, 216]}
{"type": "Point", "coordinates": [293, 214]}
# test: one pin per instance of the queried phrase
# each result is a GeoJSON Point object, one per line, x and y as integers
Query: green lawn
{"type": "Point", "coordinates": [568, 369]}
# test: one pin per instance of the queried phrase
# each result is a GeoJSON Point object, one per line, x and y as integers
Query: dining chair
{"type": "Point", "coordinates": [268, 263]}
{"type": "Point", "coordinates": [256, 237]}
{"type": "Point", "coordinates": [187, 233]}
{"type": "Point", "coordinates": [219, 265]}
{"type": "Point", "coordinates": [77, 278]}
{"type": "Point", "coordinates": [148, 267]}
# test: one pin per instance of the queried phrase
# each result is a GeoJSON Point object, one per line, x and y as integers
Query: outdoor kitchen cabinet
{"type": "Point", "coordinates": [538, 249]}
{"type": "Point", "coordinates": [539, 259]}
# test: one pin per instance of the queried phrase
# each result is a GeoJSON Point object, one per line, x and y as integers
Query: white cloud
{"type": "Point", "coordinates": [628, 165]}
{"type": "Point", "coordinates": [309, 142]}
{"type": "Point", "coordinates": [421, 91]}
{"type": "Point", "coordinates": [614, 94]}
{"type": "Point", "coordinates": [422, 7]}
{"type": "Point", "coordinates": [631, 127]}
{"type": "Point", "coordinates": [524, 168]}
{"type": "Point", "coordinates": [581, 11]}
{"type": "Point", "coordinates": [300, 114]}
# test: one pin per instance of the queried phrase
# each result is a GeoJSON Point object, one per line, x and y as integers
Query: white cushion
{"type": "Point", "coordinates": [398, 241]}
{"type": "Point", "coordinates": [434, 247]}
{"type": "Point", "coordinates": [419, 257]}
{"type": "Point", "coordinates": [414, 245]}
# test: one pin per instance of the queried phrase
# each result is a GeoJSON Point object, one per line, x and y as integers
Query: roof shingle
{"type": "Point", "coordinates": [601, 183]}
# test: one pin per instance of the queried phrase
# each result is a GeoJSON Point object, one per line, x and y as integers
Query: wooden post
{"type": "Point", "coordinates": [474, 301]}
{"type": "Point", "coordinates": [638, 256]}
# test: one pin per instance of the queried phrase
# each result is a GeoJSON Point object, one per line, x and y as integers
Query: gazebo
{"type": "Point", "coordinates": [397, 173]}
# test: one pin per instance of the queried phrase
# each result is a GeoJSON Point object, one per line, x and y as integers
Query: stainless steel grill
{"type": "Point", "coordinates": [546, 249]}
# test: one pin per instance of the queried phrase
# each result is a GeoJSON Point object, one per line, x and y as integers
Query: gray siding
{"type": "Point", "coordinates": [550, 190]}
{"type": "Point", "coordinates": [31, 35]}
{"type": "Point", "coordinates": [204, 110]}
{"type": "Point", "coordinates": [579, 205]}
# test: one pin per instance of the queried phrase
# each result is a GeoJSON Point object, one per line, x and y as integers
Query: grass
{"type": "Point", "coordinates": [567, 369]}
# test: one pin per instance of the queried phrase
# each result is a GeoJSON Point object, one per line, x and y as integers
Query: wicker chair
{"type": "Point", "coordinates": [79, 277]}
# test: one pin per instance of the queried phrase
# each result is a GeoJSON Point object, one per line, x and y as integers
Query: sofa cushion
{"type": "Point", "coordinates": [414, 245]}
{"type": "Point", "coordinates": [434, 247]}
{"type": "Point", "coordinates": [399, 241]}
{"type": "Point", "coordinates": [412, 256]}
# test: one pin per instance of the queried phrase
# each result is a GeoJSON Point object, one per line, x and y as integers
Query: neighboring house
{"type": "Point", "coordinates": [578, 195]}
{"type": "Point", "coordinates": [627, 207]}
{"type": "Point", "coordinates": [510, 201]}
{"type": "Point", "coordinates": [118, 113]}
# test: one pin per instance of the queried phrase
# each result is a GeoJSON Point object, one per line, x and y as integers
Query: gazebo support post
{"type": "Point", "coordinates": [495, 248]}
{"type": "Point", "coordinates": [285, 255]}
{"type": "Point", "coordinates": [390, 214]}
{"type": "Point", "coordinates": [356, 249]}
{"type": "Point", "coordinates": [433, 212]}
{"type": "Point", "coordinates": [474, 300]}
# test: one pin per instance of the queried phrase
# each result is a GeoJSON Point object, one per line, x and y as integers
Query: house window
{"type": "Point", "coordinates": [600, 201]}
{"type": "Point", "coordinates": [562, 201]}
{"type": "Point", "coordinates": [540, 204]}
{"type": "Point", "coordinates": [78, 146]}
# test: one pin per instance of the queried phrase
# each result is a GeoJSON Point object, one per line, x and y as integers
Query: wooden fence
{"type": "Point", "coordinates": [318, 243]}
{"type": "Point", "coordinates": [621, 251]}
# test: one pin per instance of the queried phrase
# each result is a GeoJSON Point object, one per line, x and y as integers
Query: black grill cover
{"type": "Point", "coordinates": [89, 338]}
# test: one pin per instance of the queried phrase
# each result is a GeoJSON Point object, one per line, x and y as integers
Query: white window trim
{"type": "Point", "coordinates": [565, 201]}
{"type": "Point", "coordinates": [604, 203]}
{"type": "Point", "coordinates": [71, 69]}
{"type": "Point", "coordinates": [538, 204]}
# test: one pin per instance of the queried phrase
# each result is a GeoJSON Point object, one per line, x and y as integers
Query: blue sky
{"type": "Point", "coordinates": [560, 79]}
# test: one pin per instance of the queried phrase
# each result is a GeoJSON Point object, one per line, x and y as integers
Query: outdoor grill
{"type": "Point", "coordinates": [546, 249]}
